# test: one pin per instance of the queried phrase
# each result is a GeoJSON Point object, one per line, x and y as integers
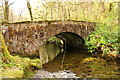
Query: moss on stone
{"type": "Point", "coordinates": [15, 66]}
{"type": "Point", "coordinates": [54, 39]}
{"type": "Point", "coordinates": [50, 49]}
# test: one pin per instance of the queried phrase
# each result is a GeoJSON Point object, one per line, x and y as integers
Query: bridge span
{"type": "Point", "coordinates": [27, 37]}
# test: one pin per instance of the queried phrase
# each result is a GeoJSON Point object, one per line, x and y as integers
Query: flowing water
{"type": "Point", "coordinates": [74, 64]}
{"type": "Point", "coordinates": [84, 65]}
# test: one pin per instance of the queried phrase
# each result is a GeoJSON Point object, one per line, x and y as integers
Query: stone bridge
{"type": "Point", "coordinates": [27, 37]}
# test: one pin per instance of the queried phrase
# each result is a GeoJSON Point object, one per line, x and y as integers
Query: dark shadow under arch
{"type": "Point", "coordinates": [72, 41]}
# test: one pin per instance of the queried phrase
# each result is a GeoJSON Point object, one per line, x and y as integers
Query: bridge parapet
{"type": "Point", "coordinates": [26, 37]}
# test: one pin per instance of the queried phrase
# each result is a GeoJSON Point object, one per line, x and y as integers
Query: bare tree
{"type": "Point", "coordinates": [29, 8]}
{"type": "Point", "coordinates": [111, 5]}
{"type": "Point", "coordinates": [20, 15]}
{"type": "Point", "coordinates": [6, 10]}
{"type": "Point", "coordinates": [1, 12]}
{"type": "Point", "coordinates": [102, 6]}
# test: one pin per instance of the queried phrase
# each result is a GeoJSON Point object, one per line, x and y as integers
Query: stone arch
{"type": "Point", "coordinates": [25, 38]}
{"type": "Point", "coordinates": [60, 43]}
{"type": "Point", "coordinates": [72, 41]}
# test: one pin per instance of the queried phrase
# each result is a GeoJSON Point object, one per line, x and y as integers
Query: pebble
{"type": "Point", "coordinates": [59, 74]}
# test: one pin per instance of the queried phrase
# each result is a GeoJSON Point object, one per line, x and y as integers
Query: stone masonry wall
{"type": "Point", "coordinates": [26, 37]}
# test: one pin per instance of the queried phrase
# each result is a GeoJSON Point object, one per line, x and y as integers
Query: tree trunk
{"type": "Point", "coordinates": [103, 7]}
{"type": "Point", "coordinates": [51, 13]}
{"type": "Point", "coordinates": [69, 15]}
{"type": "Point", "coordinates": [3, 49]}
{"type": "Point", "coordinates": [6, 11]}
{"type": "Point", "coordinates": [29, 8]}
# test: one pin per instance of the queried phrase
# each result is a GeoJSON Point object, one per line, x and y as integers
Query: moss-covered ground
{"type": "Point", "coordinates": [15, 66]}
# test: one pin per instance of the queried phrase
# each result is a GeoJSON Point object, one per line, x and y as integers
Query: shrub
{"type": "Point", "coordinates": [105, 37]}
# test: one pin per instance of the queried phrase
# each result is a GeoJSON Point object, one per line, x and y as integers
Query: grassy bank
{"type": "Point", "coordinates": [15, 66]}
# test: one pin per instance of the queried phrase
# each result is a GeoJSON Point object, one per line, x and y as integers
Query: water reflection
{"type": "Point", "coordinates": [85, 66]}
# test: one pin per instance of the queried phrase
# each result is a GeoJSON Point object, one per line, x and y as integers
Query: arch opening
{"type": "Point", "coordinates": [61, 43]}
{"type": "Point", "coordinates": [72, 41]}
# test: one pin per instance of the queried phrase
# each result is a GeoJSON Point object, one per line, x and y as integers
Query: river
{"type": "Point", "coordinates": [81, 65]}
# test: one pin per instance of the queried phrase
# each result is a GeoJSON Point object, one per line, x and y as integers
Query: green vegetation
{"type": "Point", "coordinates": [93, 12]}
{"type": "Point", "coordinates": [15, 66]}
{"type": "Point", "coordinates": [105, 37]}
{"type": "Point", "coordinates": [101, 68]}
{"type": "Point", "coordinates": [54, 39]}
{"type": "Point", "coordinates": [105, 14]}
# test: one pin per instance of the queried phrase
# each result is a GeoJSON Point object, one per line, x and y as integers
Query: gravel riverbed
{"type": "Point", "coordinates": [59, 74]}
